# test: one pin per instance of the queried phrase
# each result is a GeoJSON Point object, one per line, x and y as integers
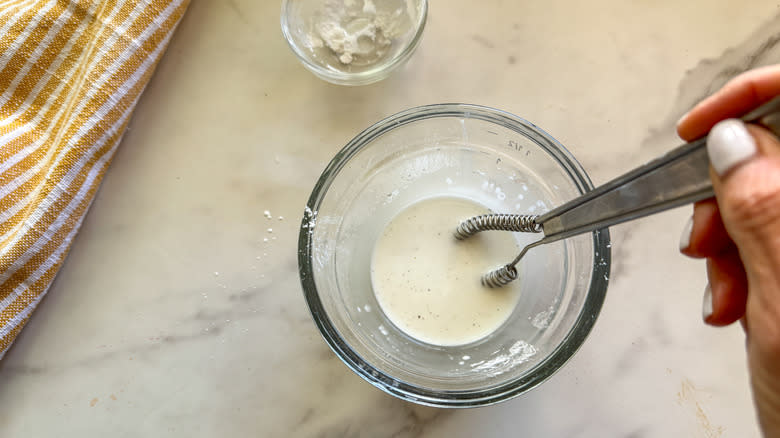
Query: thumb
{"type": "Point", "coordinates": [746, 178]}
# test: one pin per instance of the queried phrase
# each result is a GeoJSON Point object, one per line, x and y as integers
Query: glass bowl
{"type": "Point", "coordinates": [498, 160]}
{"type": "Point", "coordinates": [391, 33]}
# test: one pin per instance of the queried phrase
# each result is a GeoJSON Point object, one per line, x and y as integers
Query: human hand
{"type": "Point", "coordinates": [738, 232]}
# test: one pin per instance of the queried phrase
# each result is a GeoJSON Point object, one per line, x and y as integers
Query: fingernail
{"type": "Point", "coordinates": [706, 304]}
{"type": "Point", "coordinates": [685, 237]}
{"type": "Point", "coordinates": [728, 144]}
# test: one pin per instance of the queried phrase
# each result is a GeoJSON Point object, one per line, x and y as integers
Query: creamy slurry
{"type": "Point", "coordinates": [428, 283]}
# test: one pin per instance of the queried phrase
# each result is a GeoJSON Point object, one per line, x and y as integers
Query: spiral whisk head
{"type": "Point", "coordinates": [500, 277]}
{"type": "Point", "coordinates": [501, 222]}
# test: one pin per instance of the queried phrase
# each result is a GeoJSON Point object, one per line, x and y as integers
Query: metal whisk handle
{"type": "Point", "coordinates": [500, 222]}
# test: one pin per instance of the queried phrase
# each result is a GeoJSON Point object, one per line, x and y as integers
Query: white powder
{"type": "Point", "coordinates": [542, 319]}
{"type": "Point", "coordinates": [355, 32]}
{"type": "Point", "coordinates": [519, 353]}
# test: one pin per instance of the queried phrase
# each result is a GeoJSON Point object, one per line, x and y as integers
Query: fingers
{"type": "Point", "coordinates": [740, 95]}
{"type": "Point", "coordinates": [705, 235]}
{"type": "Point", "coordinates": [746, 179]}
{"type": "Point", "coordinates": [726, 298]}
{"type": "Point", "coordinates": [749, 198]}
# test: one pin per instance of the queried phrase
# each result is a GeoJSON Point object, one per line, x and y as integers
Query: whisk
{"type": "Point", "coordinates": [679, 177]}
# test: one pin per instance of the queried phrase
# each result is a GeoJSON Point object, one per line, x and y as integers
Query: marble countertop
{"type": "Point", "coordinates": [173, 317]}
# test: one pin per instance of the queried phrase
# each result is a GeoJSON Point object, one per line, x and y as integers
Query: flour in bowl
{"type": "Point", "coordinates": [359, 32]}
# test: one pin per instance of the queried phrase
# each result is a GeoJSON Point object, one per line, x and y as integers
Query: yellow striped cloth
{"type": "Point", "coordinates": [71, 73]}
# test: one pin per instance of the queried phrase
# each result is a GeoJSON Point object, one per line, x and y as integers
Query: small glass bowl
{"type": "Point", "coordinates": [298, 29]}
{"type": "Point", "coordinates": [488, 156]}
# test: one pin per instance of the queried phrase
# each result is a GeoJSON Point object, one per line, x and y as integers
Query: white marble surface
{"type": "Point", "coordinates": [172, 317]}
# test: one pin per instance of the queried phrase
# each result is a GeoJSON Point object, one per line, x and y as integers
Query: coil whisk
{"type": "Point", "coordinates": [500, 222]}
{"type": "Point", "coordinates": [499, 277]}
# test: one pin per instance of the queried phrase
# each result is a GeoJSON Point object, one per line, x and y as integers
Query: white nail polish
{"type": "Point", "coordinates": [685, 237]}
{"type": "Point", "coordinates": [706, 304]}
{"type": "Point", "coordinates": [728, 144]}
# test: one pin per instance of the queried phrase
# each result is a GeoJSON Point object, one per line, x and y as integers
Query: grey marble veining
{"type": "Point", "coordinates": [178, 314]}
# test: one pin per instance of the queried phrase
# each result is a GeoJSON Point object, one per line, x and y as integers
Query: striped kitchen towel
{"type": "Point", "coordinates": [71, 73]}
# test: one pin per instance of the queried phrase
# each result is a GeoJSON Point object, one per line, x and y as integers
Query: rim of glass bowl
{"type": "Point", "coordinates": [360, 78]}
{"type": "Point", "coordinates": [553, 362]}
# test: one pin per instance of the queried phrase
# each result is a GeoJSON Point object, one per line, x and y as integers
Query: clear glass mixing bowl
{"type": "Point", "coordinates": [491, 157]}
